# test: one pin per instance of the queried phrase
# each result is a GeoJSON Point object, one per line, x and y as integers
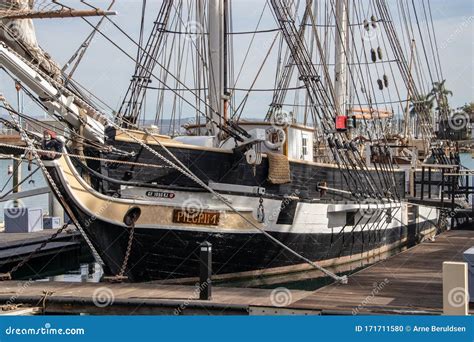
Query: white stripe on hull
{"type": "Point", "coordinates": [309, 218]}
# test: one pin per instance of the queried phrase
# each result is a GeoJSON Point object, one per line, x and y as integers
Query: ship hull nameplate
{"type": "Point", "coordinates": [207, 218]}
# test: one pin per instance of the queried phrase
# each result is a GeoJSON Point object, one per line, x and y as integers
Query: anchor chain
{"type": "Point", "coordinates": [130, 219]}
{"type": "Point", "coordinates": [128, 251]}
{"type": "Point", "coordinates": [261, 210]}
{"type": "Point", "coordinates": [185, 171]}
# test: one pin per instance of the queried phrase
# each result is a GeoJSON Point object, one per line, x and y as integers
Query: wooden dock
{"type": "Point", "coordinates": [14, 247]}
{"type": "Point", "coordinates": [134, 299]}
{"type": "Point", "coordinates": [407, 283]}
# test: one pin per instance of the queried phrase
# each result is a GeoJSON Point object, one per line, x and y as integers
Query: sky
{"type": "Point", "coordinates": [106, 72]}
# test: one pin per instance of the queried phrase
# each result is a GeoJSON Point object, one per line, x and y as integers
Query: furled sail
{"type": "Point", "coordinates": [20, 35]}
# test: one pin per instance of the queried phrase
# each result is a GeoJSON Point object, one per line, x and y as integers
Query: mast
{"type": "Point", "coordinates": [407, 129]}
{"type": "Point", "coordinates": [216, 63]}
{"type": "Point", "coordinates": [201, 64]}
{"type": "Point", "coordinates": [342, 46]}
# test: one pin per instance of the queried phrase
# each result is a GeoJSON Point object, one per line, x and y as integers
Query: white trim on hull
{"type": "Point", "coordinates": [315, 219]}
{"type": "Point", "coordinates": [309, 218]}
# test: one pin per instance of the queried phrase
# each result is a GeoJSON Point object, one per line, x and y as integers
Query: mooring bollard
{"type": "Point", "coordinates": [205, 271]}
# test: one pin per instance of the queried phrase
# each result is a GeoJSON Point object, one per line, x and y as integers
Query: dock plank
{"type": "Point", "coordinates": [130, 298]}
{"type": "Point", "coordinates": [409, 281]}
{"type": "Point", "coordinates": [11, 240]}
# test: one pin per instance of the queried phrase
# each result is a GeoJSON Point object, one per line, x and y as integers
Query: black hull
{"type": "Point", "coordinates": [232, 168]}
{"type": "Point", "coordinates": [170, 253]}
{"type": "Point", "coordinates": [159, 254]}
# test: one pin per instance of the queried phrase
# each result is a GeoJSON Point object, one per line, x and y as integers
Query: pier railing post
{"type": "Point", "coordinates": [422, 182]}
{"type": "Point", "coordinates": [442, 187]}
{"type": "Point", "coordinates": [205, 271]}
{"type": "Point", "coordinates": [429, 182]}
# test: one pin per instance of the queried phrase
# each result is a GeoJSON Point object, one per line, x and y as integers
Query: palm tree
{"type": "Point", "coordinates": [421, 105]}
{"type": "Point", "coordinates": [468, 108]}
{"type": "Point", "coordinates": [440, 93]}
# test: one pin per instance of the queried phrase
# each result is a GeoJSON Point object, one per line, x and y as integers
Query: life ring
{"type": "Point", "coordinates": [276, 137]}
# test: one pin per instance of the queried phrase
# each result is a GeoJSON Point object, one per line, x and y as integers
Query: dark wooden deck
{"type": "Point", "coordinates": [14, 247]}
{"type": "Point", "coordinates": [134, 299]}
{"type": "Point", "coordinates": [410, 282]}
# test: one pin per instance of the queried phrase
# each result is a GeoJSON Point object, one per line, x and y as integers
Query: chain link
{"type": "Point", "coordinates": [128, 252]}
{"type": "Point", "coordinates": [261, 210]}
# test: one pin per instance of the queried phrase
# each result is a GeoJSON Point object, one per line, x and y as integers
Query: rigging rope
{"type": "Point", "coordinates": [53, 185]}
{"type": "Point", "coordinates": [187, 172]}
{"type": "Point", "coordinates": [342, 279]}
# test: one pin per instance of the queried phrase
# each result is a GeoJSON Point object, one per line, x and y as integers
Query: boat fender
{"type": "Point", "coordinates": [374, 21]}
{"type": "Point", "coordinates": [132, 216]}
{"type": "Point", "coordinates": [379, 52]}
{"type": "Point", "coordinates": [276, 137]}
{"type": "Point", "coordinates": [366, 24]}
{"type": "Point", "coordinates": [380, 83]}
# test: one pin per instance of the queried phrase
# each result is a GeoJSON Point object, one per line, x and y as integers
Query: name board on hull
{"type": "Point", "coordinates": [208, 218]}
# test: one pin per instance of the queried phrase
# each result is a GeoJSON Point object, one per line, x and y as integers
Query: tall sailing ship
{"type": "Point", "coordinates": [320, 182]}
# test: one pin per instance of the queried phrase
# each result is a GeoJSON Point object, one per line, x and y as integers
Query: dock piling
{"type": "Point", "coordinates": [205, 271]}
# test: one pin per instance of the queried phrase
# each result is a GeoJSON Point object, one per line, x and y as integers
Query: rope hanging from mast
{"type": "Point", "coordinates": [132, 104]}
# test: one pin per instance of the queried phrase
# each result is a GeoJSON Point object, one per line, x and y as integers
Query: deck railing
{"type": "Point", "coordinates": [454, 186]}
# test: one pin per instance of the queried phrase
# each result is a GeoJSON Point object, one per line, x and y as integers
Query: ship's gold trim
{"type": "Point", "coordinates": [113, 209]}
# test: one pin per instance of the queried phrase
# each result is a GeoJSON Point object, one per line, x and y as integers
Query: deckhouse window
{"type": "Point", "coordinates": [304, 145]}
